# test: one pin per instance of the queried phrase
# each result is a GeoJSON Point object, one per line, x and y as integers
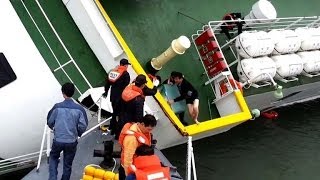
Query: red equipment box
{"type": "Point", "coordinates": [211, 46]}
{"type": "Point", "coordinates": [216, 68]}
{"type": "Point", "coordinates": [204, 37]}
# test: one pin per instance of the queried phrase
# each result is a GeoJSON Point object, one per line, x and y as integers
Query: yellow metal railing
{"type": "Point", "coordinates": [191, 129]}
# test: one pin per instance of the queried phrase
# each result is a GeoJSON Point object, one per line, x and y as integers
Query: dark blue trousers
{"type": "Point", "coordinates": [113, 123]}
{"type": "Point", "coordinates": [69, 151]}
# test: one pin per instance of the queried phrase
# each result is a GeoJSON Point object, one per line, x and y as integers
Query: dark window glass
{"type": "Point", "coordinates": [6, 73]}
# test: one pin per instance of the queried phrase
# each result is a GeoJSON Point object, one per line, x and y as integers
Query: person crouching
{"type": "Point", "coordinates": [131, 137]}
{"type": "Point", "coordinates": [147, 165]}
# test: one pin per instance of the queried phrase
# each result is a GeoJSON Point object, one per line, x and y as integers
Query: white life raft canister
{"type": "Point", "coordinates": [311, 61]}
{"type": "Point", "coordinates": [285, 41]}
{"type": "Point", "coordinates": [288, 65]}
{"type": "Point", "coordinates": [262, 9]}
{"type": "Point", "coordinates": [254, 69]}
{"type": "Point", "coordinates": [254, 44]}
{"type": "Point", "coordinates": [310, 38]}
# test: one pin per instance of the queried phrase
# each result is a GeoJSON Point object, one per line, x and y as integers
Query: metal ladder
{"type": "Point", "coordinates": [213, 62]}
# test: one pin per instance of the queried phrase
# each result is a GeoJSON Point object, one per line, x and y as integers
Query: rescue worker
{"type": "Point", "coordinates": [149, 91]}
{"type": "Point", "coordinates": [152, 91]}
{"type": "Point", "coordinates": [228, 26]}
{"type": "Point", "coordinates": [132, 103]}
{"type": "Point", "coordinates": [187, 92]}
{"type": "Point", "coordinates": [147, 164]}
{"type": "Point", "coordinates": [131, 137]}
{"type": "Point", "coordinates": [118, 79]}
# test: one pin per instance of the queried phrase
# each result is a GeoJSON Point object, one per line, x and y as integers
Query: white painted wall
{"type": "Point", "coordinates": [95, 30]}
{"type": "Point", "coordinates": [24, 103]}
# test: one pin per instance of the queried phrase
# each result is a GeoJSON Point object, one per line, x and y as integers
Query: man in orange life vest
{"type": "Point", "coordinates": [131, 137]}
{"type": "Point", "coordinates": [147, 165]}
{"type": "Point", "coordinates": [132, 103]}
{"type": "Point", "coordinates": [118, 79]}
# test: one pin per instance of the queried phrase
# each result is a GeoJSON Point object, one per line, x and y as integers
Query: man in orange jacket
{"type": "Point", "coordinates": [131, 137]}
{"type": "Point", "coordinates": [147, 166]}
{"type": "Point", "coordinates": [132, 102]}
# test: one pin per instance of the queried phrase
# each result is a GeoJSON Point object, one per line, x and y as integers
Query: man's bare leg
{"type": "Point", "coordinates": [193, 114]}
{"type": "Point", "coordinates": [196, 110]}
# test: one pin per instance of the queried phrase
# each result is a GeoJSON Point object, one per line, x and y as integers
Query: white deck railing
{"type": "Point", "coordinates": [10, 164]}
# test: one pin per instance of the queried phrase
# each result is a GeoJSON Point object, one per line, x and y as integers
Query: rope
{"type": "Point", "coordinates": [115, 164]}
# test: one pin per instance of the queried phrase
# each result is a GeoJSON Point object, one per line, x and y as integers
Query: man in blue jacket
{"type": "Point", "coordinates": [68, 121]}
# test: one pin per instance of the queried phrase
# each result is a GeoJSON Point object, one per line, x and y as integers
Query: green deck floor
{"type": "Point", "coordinates": [149, 27]}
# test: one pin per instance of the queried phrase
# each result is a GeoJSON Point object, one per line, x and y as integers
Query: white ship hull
{"type": "Point", "coordinates": [25, 101]}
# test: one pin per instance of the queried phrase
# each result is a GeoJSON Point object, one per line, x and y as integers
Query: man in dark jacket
{"type": "Point", "coordinates": [118, 79]}
{"type": "Point", "coordinates": [187, 92]}
{"type": "Point", "coordinates": [132, 103]}
{"type": "Point", "coordinates": [69, 121]}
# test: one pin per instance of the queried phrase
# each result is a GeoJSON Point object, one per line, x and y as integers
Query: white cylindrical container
{"type": "Point", "coordinates": [310, 38]}
{"type": "Point", "coordinates": [254, 44]}
{"type": "Point", "coordinates": [311, 61]}
{"type": "Point", "coordinates": [288, 65]}
{"type": "Point", "coordinates": [285, 41]}
{"type": "Point", "coordinates": [254, 69]}
{"type": "Point", "coordinates": [262, 9]}
{"type": "Point", "coordinates": [178, 46]}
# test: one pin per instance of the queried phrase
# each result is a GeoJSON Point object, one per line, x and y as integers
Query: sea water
{"type": "Point", "coordinates": [283, 149]}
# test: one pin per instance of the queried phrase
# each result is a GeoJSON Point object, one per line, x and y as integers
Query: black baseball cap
{"type": "Point", "coordinates": [140, 79]}
{"type": "Point", "coordinates": [124, 62]}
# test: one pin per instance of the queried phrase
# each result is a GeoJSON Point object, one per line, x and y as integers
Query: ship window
{"type": "Point", "coordinates": [6, 73]}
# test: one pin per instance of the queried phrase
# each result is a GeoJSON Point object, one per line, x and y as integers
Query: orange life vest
{"type": "Point", "coordinates": [141, 138]}
{"type": "Point", "coordinates": [149, 168]}
{"type": "Point", "coordinates": [130, 92]}
{"type": "Point", "coordinates": [116, 73]}
{"type": "Point", "coordinates": [233, 83]}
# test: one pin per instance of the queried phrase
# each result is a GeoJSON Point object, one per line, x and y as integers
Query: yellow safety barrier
{"type": "Point", "coordinates": [205, 126]}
